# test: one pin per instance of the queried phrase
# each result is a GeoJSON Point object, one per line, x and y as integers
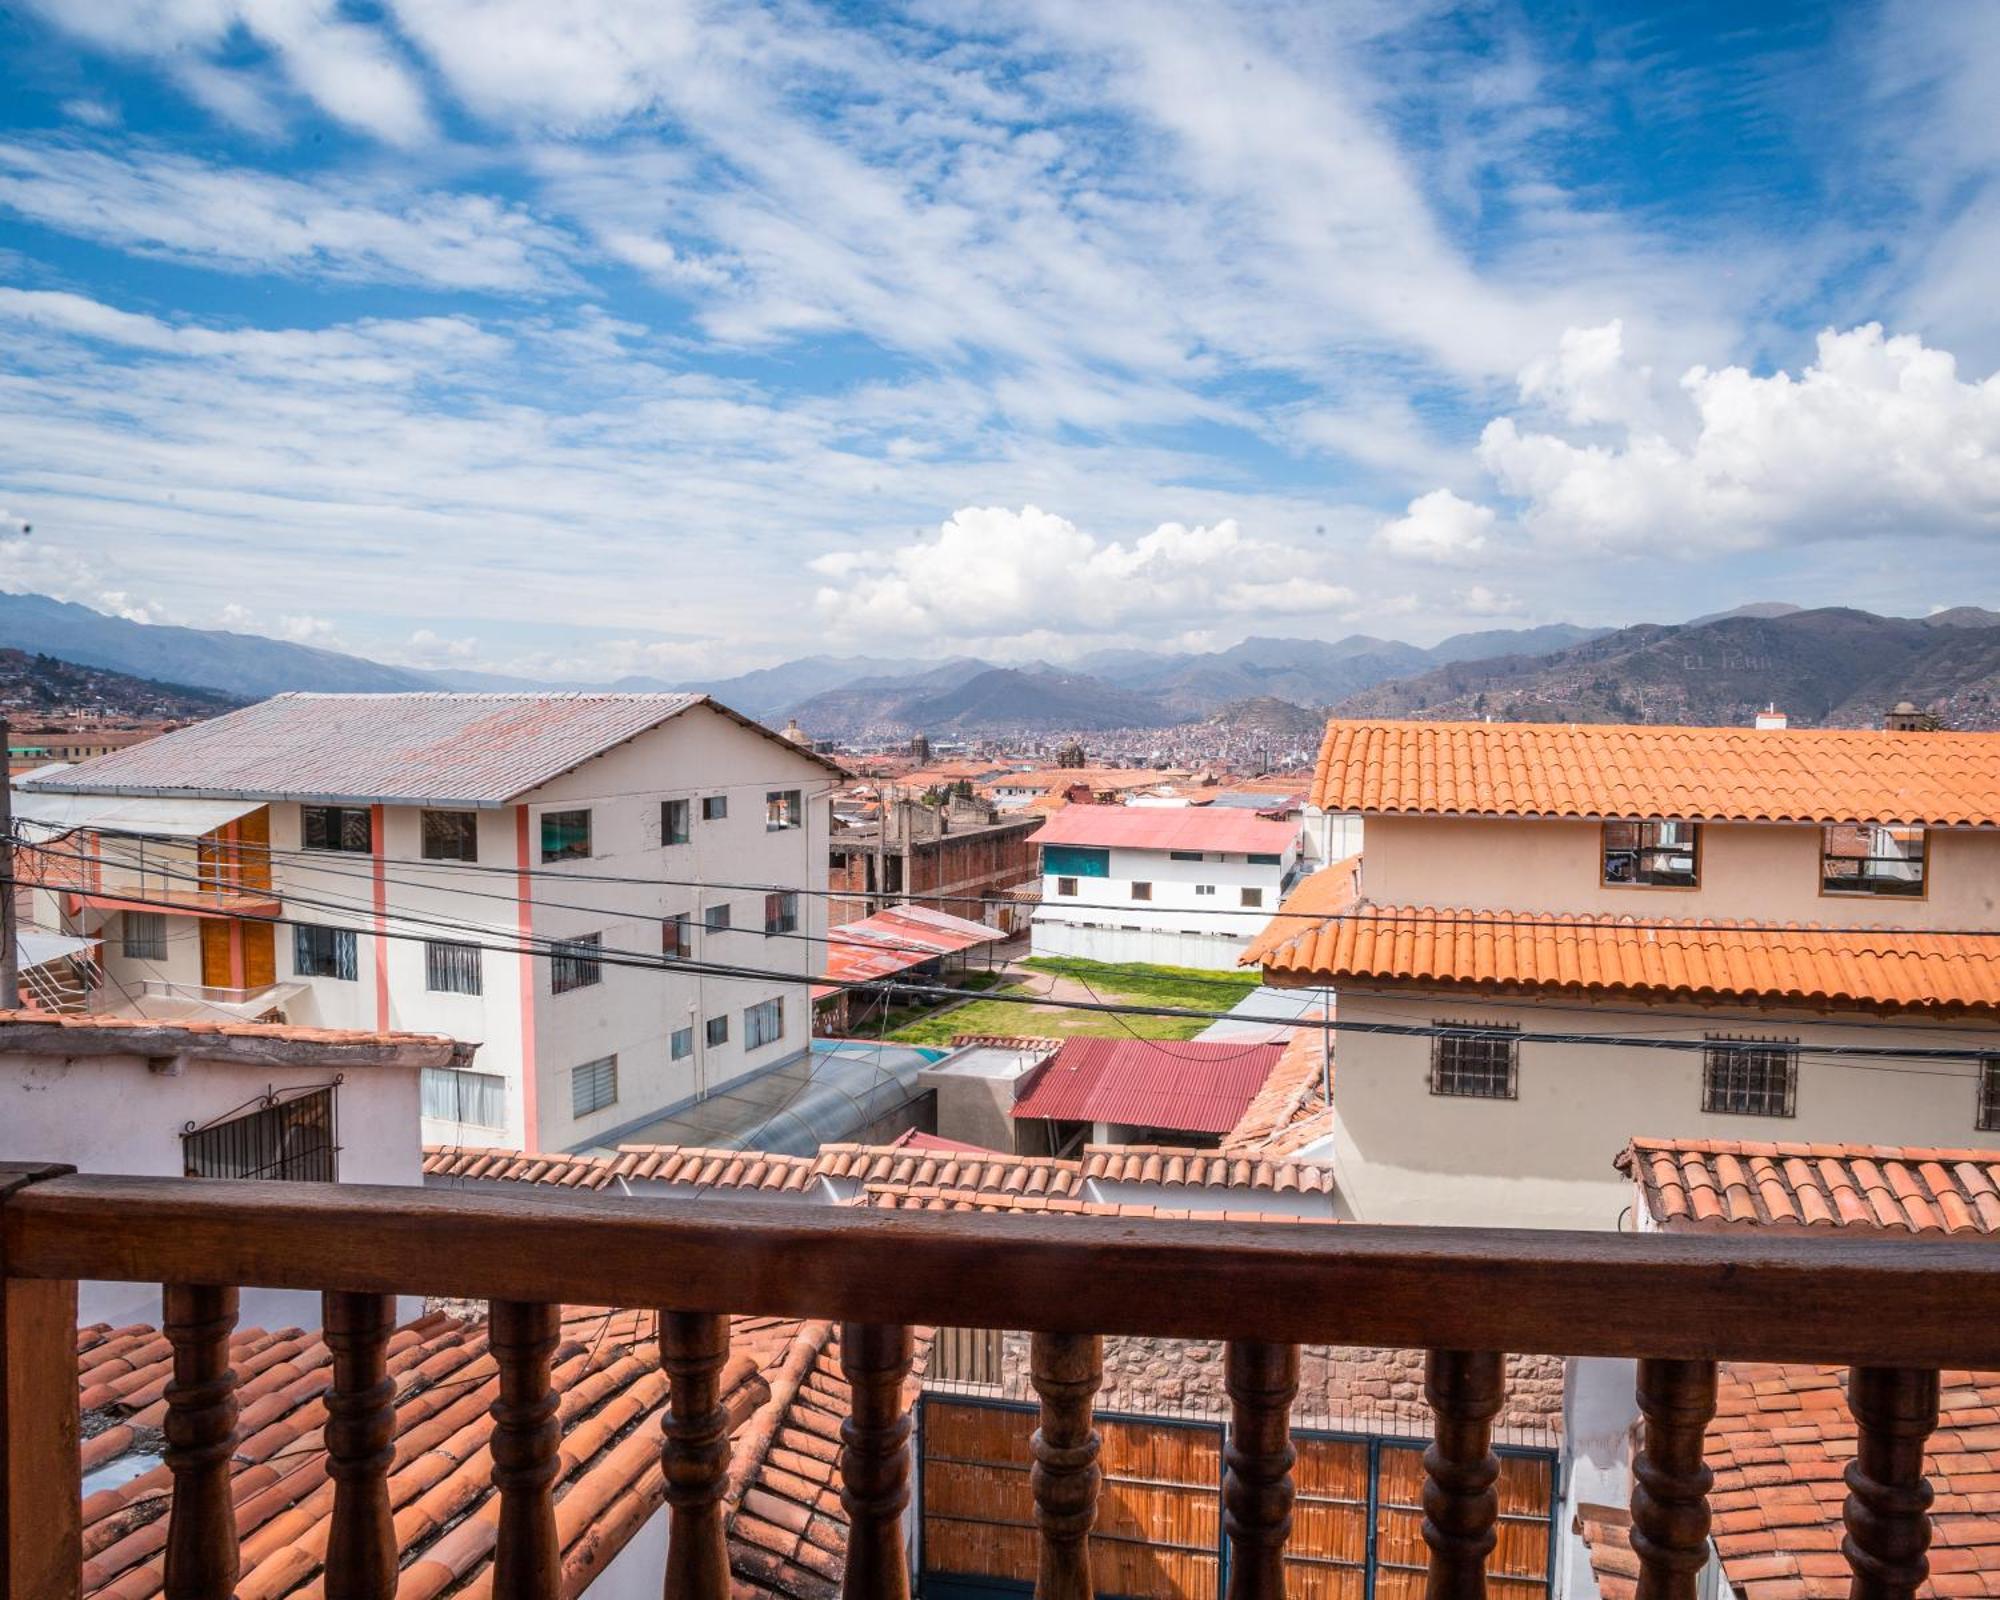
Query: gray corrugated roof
{"type": "Point", "coordinates": [432, 749]}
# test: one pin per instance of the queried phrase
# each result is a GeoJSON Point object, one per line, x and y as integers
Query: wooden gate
{"type": "Point", "coordinates": [1356, 1527]}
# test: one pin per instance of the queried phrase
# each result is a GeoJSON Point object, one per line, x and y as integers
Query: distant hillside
{"type": "Point", "coordinates": [1276, 720]}
{"type": "Point", "coordinates": [242, 664]}
{"type": "Point", "coordinates": [1829, 668]}
{"type": "Point", "coordinates": [39, 685]}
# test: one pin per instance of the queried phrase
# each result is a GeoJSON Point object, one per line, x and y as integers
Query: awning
{"type": "Point", "coordinates": [36, 947]}
{"type": "Point", "coordinates": [155, 818]}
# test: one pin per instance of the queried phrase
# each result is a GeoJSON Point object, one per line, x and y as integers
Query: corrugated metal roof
{"type": "Point", "coordinates": [407, 749]}
{"type": "Point", "coordinates": [894, 941]}
{"type": "Point", "coordinates": [1182, 1085]}
{"type": "Point", "coordinates": [1168, 828]}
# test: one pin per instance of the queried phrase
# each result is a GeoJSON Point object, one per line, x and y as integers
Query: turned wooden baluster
{"type": "Point", "coordinates": [1262, 1380]}
{"type": "Point", "coordinates": [1670, 1480]}
{"type": "Point", "coordinates": [875, 1460]}
{"type": "Point", "coordinates": [694, 1453]}
{"type": "Point", "coordinates": [1066, 1369]}
{"type": "Point", "coordinates": [526, 1559]}
{"type": "Point", "coordinates": [1888, 1496]}
{"type": "Point", "coordinates": [360, 1429]}
{"type": "Point", "coordinates": [1461, 1504]}
{"type": "Point", "coordinates": [202, 1561]}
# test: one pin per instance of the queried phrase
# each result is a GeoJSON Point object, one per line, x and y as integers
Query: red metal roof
{"type": "Point", "coordinates": [1224, 828]}
{"type": "Point", "coordinates": [1186, 1086]}
{"type": "Point", "coordinates": [894, 941]}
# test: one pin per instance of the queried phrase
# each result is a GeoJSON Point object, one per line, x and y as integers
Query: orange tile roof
{"type": "Point", "coordinates": [1781, 1438]}
{"type": "Point", "coordinates": [1494, 769]}
{"type": "Point", "coordinates": [1294, 1108]}
{"type": "Point", "coordinates": [110, 1034]}
{"type": "Point", "coordinates": [1696, 1184]}
{"type": "Point", "coordinates": [1329, 892]}
{"type": "Point", "coordinates": [606, 1372]}
{"type": "Point", "coordinates": [1888, 969]}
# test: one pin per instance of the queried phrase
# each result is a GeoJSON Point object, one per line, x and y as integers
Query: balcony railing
{"type": "Point", "coordinates": [1894, 1311]}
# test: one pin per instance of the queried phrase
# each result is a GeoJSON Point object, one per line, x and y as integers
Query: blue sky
{"type": "Point", "coordinates": [645, 336]}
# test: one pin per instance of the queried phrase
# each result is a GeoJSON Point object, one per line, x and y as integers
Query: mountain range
{"type": "Point", "coordinates": [1830, 665]}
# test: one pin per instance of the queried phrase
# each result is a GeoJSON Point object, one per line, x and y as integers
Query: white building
{"type": "Point", "coordinates": [473, 865]}
{"type": "Point", "coordinates": [1182, 887]}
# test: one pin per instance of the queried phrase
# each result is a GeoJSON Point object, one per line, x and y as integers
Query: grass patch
{"type": "Point", "coordinates": [1160, 986]}
{"type": "Point", "coordinates": [1140, 985]}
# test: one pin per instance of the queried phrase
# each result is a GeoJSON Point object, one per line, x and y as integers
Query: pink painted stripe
{"type": "Point", "coordinates": [524, 880]}
{"type": "Point", "coordinates": [381, 864]}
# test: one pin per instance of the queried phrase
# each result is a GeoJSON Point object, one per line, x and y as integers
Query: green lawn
{"type": "Point", "coordinates": [1158, 986]}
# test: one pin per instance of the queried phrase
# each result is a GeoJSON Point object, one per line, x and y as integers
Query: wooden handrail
{"type": "Point", "coordinates": [1885, 1302]}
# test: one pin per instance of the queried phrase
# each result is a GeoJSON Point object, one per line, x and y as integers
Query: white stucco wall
{"type": "Point", "coordinates": [1176, 927]}
{"type": "Point", "coordinates": [1404, 1155]}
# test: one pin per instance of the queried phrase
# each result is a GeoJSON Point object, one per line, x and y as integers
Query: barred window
{"type": "Point", "coordinates": [451, 968]}
{"type": "Point", "coordinates": [1065, 886]}
{"type": "Point", "coordinates": [1481, 1063]}
{"type": "Point", "coordinates": [1989, 1092]}
{"type": "Point", "coordinates": [677, 937]}
{"type": "Point", "coordinates": [449, 835]}
{"type": "Point", "coordinates": [1141, 890]}
{"type": "Point", "coordinates": [783, 808]}
{"type": "Point", "coordinates": [453, 1094]}
{"type": "Point", "coordinates": [145, 935]}
{"type": "Point", "coordinates": [680, 1044]}
{"type": "Point", "coordinates": [565, 835]}
{"type": "Point", "coordinates": [1252, 898]}
{"type": "Point", "coordinates": [593, 1086]}
{"type": "Point", "coordinates": [1750, 1077]}
{"type": "Point", "coordinates": [345, 828]}
{"type": "Point", "coordinates": [716, 1030]}
{"type": "Point", "coordinates": [324, 952]}
{"type": "Point", "coordinates": [763, 1023]}
{"type": "Point", "coordinates": [291, 1139]}
{"type": "Point", "coordinates": [574, 963]}
{"type": "Point", "coordinates": [781, 913]}
{"type": "Point", "coordinates": [673, 822]}
{"type": "Point", "coordinates": [1660, 854]}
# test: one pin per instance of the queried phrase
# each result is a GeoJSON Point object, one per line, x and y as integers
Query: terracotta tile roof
{"type": "Point", "coordinates": [1692, 1184]}
{"type": "Point", "coordinates": [1718, 774]}
{"type": "Point", "coordinates": [464, 749]}
{"type": "Point", "coordinates": [911, 1139]}
{"type": "Point", "coordinates": [1168, 828]}
{"type": "Point", "coordinates": [664, 1163]}
{"type": "Point", "coordinates": [1188, 1086]}
{"type": "Point", "coordinates": [1781, 1439]}
{"type": "Point", "coordinates": [888, 1197]}
{"type": "Point", "coordinates": [1330, 892]}
{"type": "Point", "coordinates": [1293, 1109]}
{"type": "Point", "coordinates": [611, 1391]}
{"type": "Point", "coordinates": [31, 1030]}
{"type": "Point", "coordinates": [1886, 969]}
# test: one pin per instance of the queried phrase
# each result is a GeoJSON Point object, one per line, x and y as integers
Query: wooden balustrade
{"type": "Point", "coordinates": [1892, 1313]}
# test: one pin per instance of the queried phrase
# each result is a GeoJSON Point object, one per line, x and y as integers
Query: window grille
{"type": "Point", "coordinates": [453, 1094]}
{"type": "Point", "coordinates": [565, 835]}
{"type": "Point", "coordinates": [1989, 1092]}
{"type": "Point", "coordinates": [574, 964]}
{"type": "Point", "coordinates": [449, 835]}
{"type": "Point", "coordinates": [1142, 891]}
{"type": "Point", "coordinates": [783, 808]}
{"type": "Point", "coordinates": [781, 913]}
{"type": "Point", "coordinates": [1750, 1077]}
{"type": "Point", "coordinates": [1066, 886]}
{"type": "Point", "coordinates": [593, 1086]}
{"type": "Point", "coordinates": [763, 1023]}
{"type": "Point", "coordinates": [292, 1139]}
{"type": "Point", "coordinates": [324, 952]}
{"type": "Point", "coordinates": [451, 968]}
{"type": "Point", "coordinates": [344, 828]}
{"type": "Point", "coordinates": [673, 822]}
{"type": "Point", "coordinates": [1480, 1064]}
{"type": "Point", "coordinates": [145, 935]}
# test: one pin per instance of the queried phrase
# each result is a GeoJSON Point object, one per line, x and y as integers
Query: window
{"type": "Point", "coordinates": [145, 935]}
{"type": "Point", "coordinates": [593, 1086]}
{"type": "Point", "coordinates": [673, 822]}
{"type": "Point", "coordinates": [1480, 1064]}
{"type": "Point", "coordinates": [449, 835]}
{"type": "Point", "coordinates": [680, 1044]}
{"type": "Point", "coordinates": [763, 1024]}
{"type": "Point", "coordinates": [1857, 859]}
{"type": "Point", "coordinates": [1750, 1077]}
{"type": "Point", "coordinates": [1204, 888]}
{"type": "Point", "coordinates": [1066, 886]}
{"type": "Point", "coordinates": [716, 918]}
{"type": "Point", "coordinates": [1663, 855]}
{"type": "Point", "coordinates": [1263, 859]}
{"type": "Point", "coordinates": [714, 807]}
{"type": "Point", "coordinates": [1184, 855]}
{"type": "Point", "coordinates": [783, 808]}
{"type": "Point", "coordinates": [716, 1031]}
{"type": "Point", "coordinates": [573, 963]}
{"type": "Point", "coordinates": [565, 835]}
{"type": "Point", "coordinates": [336, 828]}
{"type": "Point", "coordinates": [1142, 891]}
{"type": "Point", "coordinates": [677, 936]}
{"type": "Point", "coordinates": [323, 952]}
{"type": "Point", "coordinates": [452, 1094]}
{"type": "Point", "coordinates": [781, 913]}
{"type": "Point", "coordinates": [1989, 1092]}
{"type": "Point", "coordinates": [1252, 898]}
{"type": "Point", "coordinates": [292, 1139]}
{"type": "Point", "coordinates": [451, 968]}
{"type": "Point", "coordinates": [1074, 861]}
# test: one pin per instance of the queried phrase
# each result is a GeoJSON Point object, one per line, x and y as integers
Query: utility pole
{"type": "Point", "coordinates": [10, 972]}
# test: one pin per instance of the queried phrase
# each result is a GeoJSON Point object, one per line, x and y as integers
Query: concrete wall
{"type": "Point", "coordinates": [1177, 927]}
{"type": "Point", "coordinates": [1766, 872]}
{"type": "Point", "coordinates": [1404, 1155]}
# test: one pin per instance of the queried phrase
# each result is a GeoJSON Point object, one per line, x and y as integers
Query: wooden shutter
{"type": "Point", "coordinates": [215, 952]}
{"type": "Point", "coordinates": [260, 955]}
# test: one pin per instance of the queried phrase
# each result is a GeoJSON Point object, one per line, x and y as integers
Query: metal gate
{"type": "Point", "coordinates": [1356, 1524]}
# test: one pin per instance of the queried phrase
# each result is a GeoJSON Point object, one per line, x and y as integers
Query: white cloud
{"type": "Point", "coordinates": [91, 111]}
{"type": "Point", "coordinates": [1438, 527]}
{"type": "Point", "coordinates": [306, 630]}
{"type": "Point", "coordinates": [427, 647]}
{"type": "Point", "coordinates": [992, 572]}
{"type": "Point", "coordinates": [1588, 379]}
{"type": "Point", "coordinates": [1878, 436]}
{"type": "Point", "coordinates": [159, 204]}
{"type": "Point", "coordinates": [1480, 601]}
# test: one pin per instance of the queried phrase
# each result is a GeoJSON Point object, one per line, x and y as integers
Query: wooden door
{"type": "Point", "coordinates": [253, 857]}
{"type": "Point", "coordinates": [260, 957]}
{"type": "Point", "coordinates": [215, 953]}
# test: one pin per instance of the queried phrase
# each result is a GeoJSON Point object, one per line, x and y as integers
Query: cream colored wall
{"type": "Point", "coordinates": [1544, 1160]}
{"type": "Point", "coordinates": [1762, 871]}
